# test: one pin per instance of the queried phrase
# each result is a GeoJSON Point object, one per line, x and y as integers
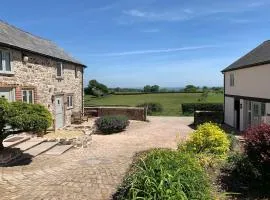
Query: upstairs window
{"type": "Point", "coordinates": [231, 79]}
{"type": "Point", "coordinates": [5, 65]}
{"type": "Point", "coordinates": [27, 96]}
{"type": "Point", "coordinates": [76, 72]}
{"type": "Point", "coordinates": [59, 70]}
{"type": "Point", "coordinates": [69, 101]}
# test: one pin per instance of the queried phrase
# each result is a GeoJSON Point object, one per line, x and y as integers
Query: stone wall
{"type": "Point", "coordinates": [133, 113]}
{"type": "Point", "coordinates": [39, 74]}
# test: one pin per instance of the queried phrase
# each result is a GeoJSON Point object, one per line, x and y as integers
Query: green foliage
{"type": "Point", "coordinates": [209, 138]}
{"type": "Point", "coordinates": [29, 117]}
{"type": "Point", "coordinates": [201, 117]}
{"type": "Point", "coordinates": [112, 124]}
{"type": "Point", "coordinates": [166, 174]}
{"type": "Point", "coordinates": [152, 107]}
{"type": "Point", "coordinates": [4, 111]}
{"type": "Point", "coordinates": [96, 89]}
{"type": "Point", "coordinates": [204, 96]}
{"type": "Point", "coordinates": [191, 88]}
{"type": "Point", "coordinates": [151, 89]}
{"type": "Point", "coordinates": [189, 108]}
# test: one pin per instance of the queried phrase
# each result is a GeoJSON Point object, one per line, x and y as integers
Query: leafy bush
{"type": "Point", "coordinates": [112, 124]}
{"type": "Point", "coordinates": [152, 107]}
{"type": "Point", "coordinates": [201, 117]}
{"type": "Point", "coordinates": [165, 174]}
{"type": "Point", "coordinates": [29, 117]}
{"type": "Point", "coordinates": [189, 108]}
{"type": "Point", "coordinates": [257, 148]}
{"type": "Point", "coordinates": [4, 111]}
{"type": "Point", "coordinates": [209, 138]}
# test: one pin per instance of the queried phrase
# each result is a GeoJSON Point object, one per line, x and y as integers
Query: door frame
{"type": "Point", "coordinates": [63, 109]}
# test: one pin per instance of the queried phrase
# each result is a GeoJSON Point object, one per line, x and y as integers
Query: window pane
{"type": "Point", "coordinates": [24, 96]}
{"type": "Point", "coordinates": [68, 101]}
{"type": "Point", "coordinates": [30, 95]}
{"type": "Point", "coordinates": [7, 61]}
{"type": "Point", "coordinates": [71, 101]}
{"type": "Point", "coordinates": [263, 109]}
{"type": "Point", "coordinates": [59, 69]}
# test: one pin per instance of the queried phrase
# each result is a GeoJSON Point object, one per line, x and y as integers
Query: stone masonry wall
{"type": "Point", "coordinates": [39, 73]}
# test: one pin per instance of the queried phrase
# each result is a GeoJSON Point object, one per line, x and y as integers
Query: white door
{"type": "Point", "coordinates": [7, 94]}
{"type": "Point", "coordinates": [59, 112]}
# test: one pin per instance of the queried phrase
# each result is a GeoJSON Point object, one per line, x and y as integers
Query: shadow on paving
{"type": "Point", "coordinates": [22, 159]}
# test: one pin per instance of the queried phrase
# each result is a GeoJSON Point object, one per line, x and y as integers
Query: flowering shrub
{"type": "Point", "coordinates": [112, 124]}
{"type": "Point", "coordinates": [257, 146]}
{"type": "Point", "coordinates": [209, 138]}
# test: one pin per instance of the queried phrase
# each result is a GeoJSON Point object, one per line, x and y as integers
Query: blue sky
{"type": "Point", "coordinates": [131, 43]}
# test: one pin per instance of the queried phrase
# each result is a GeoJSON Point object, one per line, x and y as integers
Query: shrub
{"type": "Point", "coordinates": [29, 117]}
{"type": "Point", "coordinates": [4, 111]}
{"type": "Point", "coordinates": [165, 174]}
{"type": "Point", "coordinates": [152, 107]}
{"type": "Point", "coordinates": [257, 147]}
{"type": "Point", "coordinates": [112, 124]}
{"type": "Point", "coordinates": [209, 138]}
{"type": "Point", "coordinates": [189, 108]}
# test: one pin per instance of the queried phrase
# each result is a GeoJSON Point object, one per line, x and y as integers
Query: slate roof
{"type": "Point", "coordinates": [14, 37]}
{"type": "Point", "coordinates": [258, 56]}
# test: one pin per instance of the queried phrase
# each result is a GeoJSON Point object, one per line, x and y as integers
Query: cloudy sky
{"type": "Point", "coordinates": [131, 43]}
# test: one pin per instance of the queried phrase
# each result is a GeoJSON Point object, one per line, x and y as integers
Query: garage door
{"type": "Point", "coordinates": [7, 93]}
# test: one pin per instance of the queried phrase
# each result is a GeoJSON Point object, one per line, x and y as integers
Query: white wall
{"type": "Point", "coordinates": [250, 82]}
{"type": "Point", "coordinates": [229, 111]}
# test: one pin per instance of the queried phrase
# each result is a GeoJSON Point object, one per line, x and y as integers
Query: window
{"type": "Point", "coordinates": [5, 65]}
{"type": "Point", "coordinates": [59, 70]}
{"type": "Point", "coordinates": [70, 101]}
{"type": "Point", "coordinates": [231, 79]}
{"type": "Point", "coordinates": [27, 96]}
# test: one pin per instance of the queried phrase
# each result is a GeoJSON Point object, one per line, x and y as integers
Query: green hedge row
{"type": "Point", "coordinates": [189, 108]}
{"type": "Point", "coordinates": [201, 117]}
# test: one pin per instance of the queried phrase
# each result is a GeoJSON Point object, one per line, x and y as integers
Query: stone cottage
{"type": "Point", "coordinates": [35, 70]}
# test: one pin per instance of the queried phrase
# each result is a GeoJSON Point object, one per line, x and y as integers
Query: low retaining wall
{"type": "Point", "coordinates": [133, 113]}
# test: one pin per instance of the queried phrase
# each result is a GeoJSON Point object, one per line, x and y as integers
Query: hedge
{"type": "Point", "coordinates": [201, 117]}
{"type": "Point", "coordinates": [189, 108]}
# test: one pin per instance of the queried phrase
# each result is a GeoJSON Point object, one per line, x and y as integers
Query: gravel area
{"type": "Point", "coordinates": [94, 172]}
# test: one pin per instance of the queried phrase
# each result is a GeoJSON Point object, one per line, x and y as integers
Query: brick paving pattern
{"type": "Point", "coordinates": [90, 173]}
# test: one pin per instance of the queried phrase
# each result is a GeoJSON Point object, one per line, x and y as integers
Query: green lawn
{"type": "Point", "coordinates": [170, 101]}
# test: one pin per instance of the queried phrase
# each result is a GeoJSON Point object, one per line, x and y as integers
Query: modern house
{"type": "Point", "coordinates": [35, 70]}
{"type": "Point", "coordinates": [247, 89]}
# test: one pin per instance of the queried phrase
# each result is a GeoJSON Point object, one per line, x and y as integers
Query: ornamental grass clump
{"type": "Point", "coordinates": [166, 174]}
{"type": "Point", "coordinates": [210, 139]}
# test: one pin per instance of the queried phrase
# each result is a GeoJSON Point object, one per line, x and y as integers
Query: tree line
{"type": "Point", "coordinates": [98, 89]}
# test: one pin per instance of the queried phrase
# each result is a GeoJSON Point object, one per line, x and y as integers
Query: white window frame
{"type": "Point", "coordinates": [3, 65]}
{"type": "Point", "coordinates": [70, 101]}
{"type": "Point", "coordinates": [61, 65]}
{"type": "Point", "coordinates": [27, 95]}
{"type": "Point", "coordinates": [232, 79]}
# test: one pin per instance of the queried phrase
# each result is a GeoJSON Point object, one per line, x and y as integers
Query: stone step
{"type": "Point", "coordinates": [58, 149]}
{"type": "Point", "coordinates": [29, 144]}
{"type": "Point", "coordinates": [41, 148]}
{"type": "Point", "coordinates": [15, 140]}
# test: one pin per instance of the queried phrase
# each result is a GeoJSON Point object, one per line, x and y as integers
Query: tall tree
{"type": "Point", "coordinates": [147, 88]}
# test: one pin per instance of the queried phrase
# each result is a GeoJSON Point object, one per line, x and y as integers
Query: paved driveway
{"type": "Point", "coordinates": [94, 172]}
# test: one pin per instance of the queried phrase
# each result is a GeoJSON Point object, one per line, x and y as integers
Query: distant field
{"type": "Point", "coordinates": [171, 101]}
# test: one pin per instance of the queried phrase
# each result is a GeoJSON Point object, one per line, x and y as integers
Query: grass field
{"type": "Point", "coordinates": [171, 102]}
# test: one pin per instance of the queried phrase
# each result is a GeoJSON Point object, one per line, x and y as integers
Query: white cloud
{"type": "Point", "coordinates": [154, 51]}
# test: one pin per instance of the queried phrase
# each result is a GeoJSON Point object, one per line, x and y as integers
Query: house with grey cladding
{"type": "Point", "coordinates": [247, 89]}
{"type": "Point", "coordinates": [36, 70]}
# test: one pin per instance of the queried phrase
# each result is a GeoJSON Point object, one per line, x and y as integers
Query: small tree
{"type": "Point", "coordinates": [95, 88]}
{"type": "Point", "coordinates": [147, 88]}
{"type": "Point", "coordinates": [155, 88]}
{"type": "Point", "coordinates": [4, 111]}
{"type": "Point", "coordinates": [191, 88]}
